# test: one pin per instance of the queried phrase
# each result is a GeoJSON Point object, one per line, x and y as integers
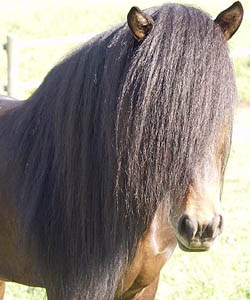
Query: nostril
{"type": "Point", "coordinates": [214, 228]}
{"type": "Point", "coordinates": [187, 227]}
{"type": "Point", "coordinates": [208, 232]}
{"type": "Point", "coordinates": [217, 223]}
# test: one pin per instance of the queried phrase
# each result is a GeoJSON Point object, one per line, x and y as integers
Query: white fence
{"type": "Point", "coordinates": [14, 45]}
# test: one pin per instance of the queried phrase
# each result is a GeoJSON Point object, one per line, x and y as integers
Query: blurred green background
{"type": "Point", "coordinates": [223, 273]}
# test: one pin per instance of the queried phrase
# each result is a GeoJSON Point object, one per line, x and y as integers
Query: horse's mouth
{"type": "Point", "coordinates": [193, 248]}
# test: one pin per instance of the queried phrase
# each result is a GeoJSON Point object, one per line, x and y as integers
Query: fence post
{"type": "Point", "coordinates": [12, 55]}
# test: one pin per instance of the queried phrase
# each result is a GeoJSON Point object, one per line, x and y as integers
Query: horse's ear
{"type": "Point", "coordinates": [139, 23]}
{"type": "Point", "coordinates": [230, 19]}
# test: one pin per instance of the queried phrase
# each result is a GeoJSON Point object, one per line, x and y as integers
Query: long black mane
{"type": "Point", "coordinates": [115, 129]}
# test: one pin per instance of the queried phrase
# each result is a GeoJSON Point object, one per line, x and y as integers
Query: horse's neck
{"type": "Point", "coordinates": [153, 251]}
{"type": "Point", "coordinates": [160, 234]}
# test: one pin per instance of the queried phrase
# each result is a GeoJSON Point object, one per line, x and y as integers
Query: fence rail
{"type": "Point", "coordinates": [14, 45]}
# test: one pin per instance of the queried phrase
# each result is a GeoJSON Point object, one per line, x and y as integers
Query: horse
{"type": "Point", "coordinates": [119, 156]}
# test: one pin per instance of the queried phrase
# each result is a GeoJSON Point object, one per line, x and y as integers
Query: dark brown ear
{"type": "Point", "coordinates": [139, 23]}
{"type": "Point", "coordinates": [230, 19]}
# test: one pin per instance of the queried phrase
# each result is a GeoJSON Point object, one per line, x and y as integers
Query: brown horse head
{"type": "Point", "coordinates": [196, 219]}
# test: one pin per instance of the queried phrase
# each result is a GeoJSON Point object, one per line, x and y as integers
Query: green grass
{"type": "Point", "coordinates": [223, 273]}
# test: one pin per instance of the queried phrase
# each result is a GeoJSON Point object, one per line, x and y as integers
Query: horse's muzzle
{"type": "Point", "coordinates": [193, 236]}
